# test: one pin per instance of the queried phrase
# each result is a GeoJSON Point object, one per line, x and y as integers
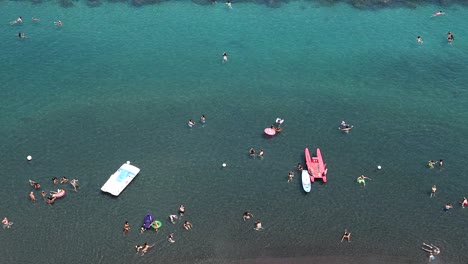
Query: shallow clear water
{"type": "Point", "coordinates": [119, 83]}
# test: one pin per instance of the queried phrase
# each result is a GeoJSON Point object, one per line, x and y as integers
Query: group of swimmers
{"type": "Point", "coordinates": [20, 20]}
{"type": "Point", "coordinates": [253, 155]}
{"type": "Point", "coordinates": [450, 36]}
{"type": "Point", "coordinates": [463, 203]}
{"type": "Point", "coordinates": [247, 216]}
{"type": "Point", "coordinates": [191, 123]}
{"type": "Point", "coordinates": [173, 218]}
{"type": "Point", "coordinates": [50, 199]}
{"type": "Point", "coordinates": [228, 3]}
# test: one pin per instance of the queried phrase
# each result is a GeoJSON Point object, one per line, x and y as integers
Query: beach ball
{"type": "Point", "coordinates": [224, 165]}
{"type": "Point", "coordinates": [379, 167]}
{"type": "Point", "coordinates": [29, 157]}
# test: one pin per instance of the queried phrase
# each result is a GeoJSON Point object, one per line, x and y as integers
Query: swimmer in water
{"type": "Point", "coordinates": [21, 35]}
{"type": "Point", "coordinates": [170, 238]}
{"type": "Point", "coordinates": [362, 180]}
{"type": "Point", "coordinates": [34, 184]}
{"type": "Point", "coordinates": [260, 154]}
{"type": "Point", "coordinates": [346, 236]}
{"type": "Point", "coordinates": [55, 180]}
{"type": "Point", "coordinates": [247, 215]}
{"type": "Point", "coordinates": [6, 223]}
{"type": "Point", "coordinates": [345, 127]}
{"type": "Point", "coordinates": [63, 180]}
{"type": "Point", "coordinates": [18, 20]}
{"type": "Point", "coordinates": [431, 249]}
{"type": "Point", "coordinates": [225, 57]}
{"type": "Point", "coordinates": [146, 246]}
{"type": "Point", "coordinates": [173, 219]}
{"type": "Point", "coordinates": [252, 152]}
{"type": "Point", "coordinates": [229, 4]}
{"type": "Point", "coordinates": [138, 248]}
{"type": "Point", "coordinates": [51, 200]}
{"type": "Point", "coordinates": [299, 167]}
{"type": "Point", "coordinates": [191, 123]}
{"type": "Point", "coordinates": [450, 37]}
{"type": "Point", "coordinates": [448, 207]}
{"type": "Point", "coordinates": [142, 229]}
{"type": "Point", "coordinates": [438, 13]}
{"type": "Point", "coordinates": [203, 119]}
{"type": "Point", "coordinates": [187, 225]}
{"type": "Point", "coordinates": [32, 197]}
{"type": "Point", "coordinates": [44, 194]}
{"type": "Point", "coordinates": [126, 227]}
{"type": "Point", "coordinates": [181, 210]}
{"type": "Point", "coordinates": [58, 23]}
{"type": "Point", "coordinates": [419, 40]}
{"type": "Point", "coordinates": [464, 203]}
{"type": "Point", "coordinates": [74, 183]}
{"type": "Point", "coordinates": [35, 19]}
{"type": "Point", "coordinates": [290, 176]}
{"type": "Point", "coordinates": [434, 189]}
{"type": "Point", "coordinates": [258, 226]}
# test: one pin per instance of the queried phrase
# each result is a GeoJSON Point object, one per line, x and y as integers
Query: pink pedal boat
{"type": "Point", "coordinates": [315, 166]}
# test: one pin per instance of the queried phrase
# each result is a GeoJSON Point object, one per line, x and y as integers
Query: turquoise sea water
{"type": "Point", "coordinates": [118, 83]}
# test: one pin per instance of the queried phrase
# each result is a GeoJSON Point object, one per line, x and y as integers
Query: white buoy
{"type": "Point", "coordinates": [224, 165]}
{"type": "Point", "coordinates": [29, 157]}
{"type": "Point", "coordinates": [379, 167]}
